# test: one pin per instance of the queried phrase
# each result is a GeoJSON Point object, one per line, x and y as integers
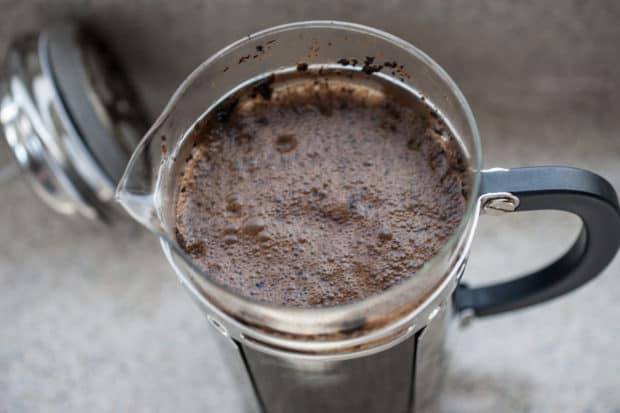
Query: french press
{"type": "Point", "coordinates": [385, 353]}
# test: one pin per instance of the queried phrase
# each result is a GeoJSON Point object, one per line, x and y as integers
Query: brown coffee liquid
{"type": "Point", "coordinates": [314, 190]}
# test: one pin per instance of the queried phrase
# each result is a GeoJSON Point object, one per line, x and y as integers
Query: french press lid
{"type": "Point", "coordinates": [70, 118]}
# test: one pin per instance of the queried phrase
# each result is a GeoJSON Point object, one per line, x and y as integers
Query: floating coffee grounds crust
{"type": "Point", "coordinates": [312, 190]}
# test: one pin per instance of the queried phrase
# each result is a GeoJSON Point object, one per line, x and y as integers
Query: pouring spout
{"type": "Point", "coordinates": [140, 208]}
{"type": "Point", "coordinates": [138, 189]}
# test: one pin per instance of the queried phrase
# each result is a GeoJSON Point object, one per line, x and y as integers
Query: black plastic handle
{"type": "Point", "coordinates": [581, 192]}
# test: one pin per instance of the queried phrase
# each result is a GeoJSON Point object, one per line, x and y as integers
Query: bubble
{"type": "Point", "coordinates": [230, 239]}
{"type": "Point", "coordinates": [285, 143]}
{"type": "Point", "coordinates": [215, 266]}
{"type": "Point", "coordinates": [231, 229]}
{"type": "Point", "coordinates": [385, 234]}
{"type": "Point", "coordinates": [233, 202]}
{"type": "Point", "coordinates": [252, 226]}
{"type": "Point", "coordinates": [263, 237]}
{"type": "Point", "coordinates": [338, 209]}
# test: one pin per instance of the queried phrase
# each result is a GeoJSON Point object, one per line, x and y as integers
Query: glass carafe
{"type": "Point", "coordinates": [383, 353]}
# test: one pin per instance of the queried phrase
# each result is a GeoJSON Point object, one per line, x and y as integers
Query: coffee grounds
{"type": "Point", "coordinates": [308, 190]}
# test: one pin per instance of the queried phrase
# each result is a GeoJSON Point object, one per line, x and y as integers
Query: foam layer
{"type": "Point", "coordinates": [315, 190]}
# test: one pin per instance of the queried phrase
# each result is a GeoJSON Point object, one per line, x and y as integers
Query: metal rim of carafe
{"type": "Point", "coordinates": [271, 339]}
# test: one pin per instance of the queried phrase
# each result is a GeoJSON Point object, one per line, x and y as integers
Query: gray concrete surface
{"type": "Point", "coordinates": [92, 319]}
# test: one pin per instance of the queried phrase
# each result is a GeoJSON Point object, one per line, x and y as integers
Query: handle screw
{"type": "Point", "coordinates": [466, 316]}
{"type": "Point", "coordinates": [500, 205]}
